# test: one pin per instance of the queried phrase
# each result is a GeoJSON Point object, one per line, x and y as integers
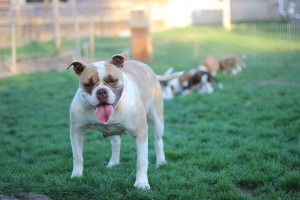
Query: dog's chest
{"type": "Point", "coordinates": [108, 130]}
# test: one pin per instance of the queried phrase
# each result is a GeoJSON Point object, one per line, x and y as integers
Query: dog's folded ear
{"type": "Point", "coordinates": [118, 60]}
{"type": "Point", "coordinates": [78, 67]}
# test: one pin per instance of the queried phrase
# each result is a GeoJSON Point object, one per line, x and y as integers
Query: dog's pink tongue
{"type": "Point", "coordinates": [103, 112]}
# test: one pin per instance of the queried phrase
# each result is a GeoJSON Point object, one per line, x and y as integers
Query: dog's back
{"type": "Point", "coordinates": [230, 61]}
{"type": "Point", "coordinates": [143, 76]}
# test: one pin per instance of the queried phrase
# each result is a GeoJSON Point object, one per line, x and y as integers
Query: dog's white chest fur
{"type": "Point", "coordinates": [113, 129]}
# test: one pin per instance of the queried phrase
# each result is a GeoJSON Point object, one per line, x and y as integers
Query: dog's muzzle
{"type": "Point", "coordinates": [104, 110]}
{"type": "Point", "coordinates": [102, 95]}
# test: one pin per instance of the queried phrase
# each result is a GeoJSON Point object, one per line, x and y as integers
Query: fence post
{"type": "Point", "coordinates": [13, 68]}
{"type": "Point", "coordinates": [77, 37]}
{"type": "Point", "coordinates": [141, 42]}
{"type": "Point", "coordinates": [76, 29]}
{"type": "Point", "coordinates": [72, 4]}
{"type": "Point", "coordinates": [288, 49]}
{"type": "Point", "coordinates": [226, 19]}
{"type": "Point", "coordinates": [56, 6]}
{"type": "Point", "coordinates": [46, 5]}
{"type": "Point", "coordinates": [196, 50]}
{"type": "Point", "coordinates": [92, 40]}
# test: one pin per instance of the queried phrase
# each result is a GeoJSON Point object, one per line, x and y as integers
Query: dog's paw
{"type": "Point", "coordinates": [160, 163]}
{"type": "Point", "coordinates": [142, 185]}
{"type": "Point", "coordinates": [112, 164]}
{"type": "Point", "coordinates": [76, 173]}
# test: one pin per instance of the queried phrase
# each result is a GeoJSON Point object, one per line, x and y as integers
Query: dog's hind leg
{"type": "Point", "coordinates": [158, 129]}
{"type": "Point", "coordinates": [156, 119]}
{"type": "Point", "coordinates": [115, 148]}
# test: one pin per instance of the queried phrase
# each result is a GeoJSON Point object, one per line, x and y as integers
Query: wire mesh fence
{"type": "Point", "coordinates": [262, 45]}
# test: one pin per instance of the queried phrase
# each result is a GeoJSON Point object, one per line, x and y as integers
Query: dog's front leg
{"type": "Point", "coordinates": [115, 148]}
{"type": "Point", "coordinates": [77, 142]}
{"type": "Point", "coordinates": [141, 143]}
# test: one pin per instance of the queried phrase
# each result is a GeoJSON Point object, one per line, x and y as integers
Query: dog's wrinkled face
{"type": "Point", "coordinates": [101, 84]}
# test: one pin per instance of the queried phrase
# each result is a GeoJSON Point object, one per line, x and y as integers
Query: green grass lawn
{"type": "Point", "coordinates": [241, 142]}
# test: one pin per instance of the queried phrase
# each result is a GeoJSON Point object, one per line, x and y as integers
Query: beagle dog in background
{"type": "Point", "coordinates": [234, 63]}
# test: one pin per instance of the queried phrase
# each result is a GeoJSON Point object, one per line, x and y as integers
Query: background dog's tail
{"type": "Point", "coordinates": [169, 76]}
{"type": "Point", "coordinates": [169, 71]}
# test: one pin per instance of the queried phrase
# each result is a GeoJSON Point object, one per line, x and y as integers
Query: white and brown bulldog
{"type": "Point", "coordinates": [118, 96]}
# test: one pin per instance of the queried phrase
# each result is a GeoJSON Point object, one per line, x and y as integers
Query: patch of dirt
{"type": "Point", "coordinates": [249, 191]}
{"type": "Point", "coordinates": [25, 196]}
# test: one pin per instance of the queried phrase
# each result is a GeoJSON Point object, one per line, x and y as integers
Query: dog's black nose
{"type": "Point", "coordinates": [102, 94]}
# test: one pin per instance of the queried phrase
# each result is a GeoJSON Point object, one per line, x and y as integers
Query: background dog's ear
{"type": "Point", "coordinates": [118, 60]}
{"type": "Point", "coordinates": [78, 67]}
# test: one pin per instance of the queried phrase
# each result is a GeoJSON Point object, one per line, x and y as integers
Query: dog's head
{"type": "Point", "coordinates": [166, 90]}
{"type": "Point", "coordinates": [177, 85]}
{"type": "Point", "coordinates": [211, 64]}
{"type": "Point", "coordinates": [101, 84]}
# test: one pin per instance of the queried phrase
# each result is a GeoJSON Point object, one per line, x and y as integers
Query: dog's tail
{"type": "Point", "coordinates": [169, 71]}
{"type": "Point", "coordinates": [169, 76]}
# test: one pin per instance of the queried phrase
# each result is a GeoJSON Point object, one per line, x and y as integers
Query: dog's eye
{"type": "Point", "coordinates": [88, 85]}
{"type": "Point", "coordinates": [113, 82]}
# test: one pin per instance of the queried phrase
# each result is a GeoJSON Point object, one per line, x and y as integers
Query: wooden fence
{"type": "Point", "coordinates": [67, 20]}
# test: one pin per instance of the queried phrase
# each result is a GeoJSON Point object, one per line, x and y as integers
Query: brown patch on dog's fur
{"type": "Point", "coordinates": [196, 79]}
{"type": "Point", "coordinates": [184, 77]}
{"type": "Point", "coordinates": [114, 80]}
{"type": "Point", "coordinates": [89, 79]}
{"type": "Point", "coordinates": [78, 67]}
{"type": "Point", "coordinates": [118, 60]}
